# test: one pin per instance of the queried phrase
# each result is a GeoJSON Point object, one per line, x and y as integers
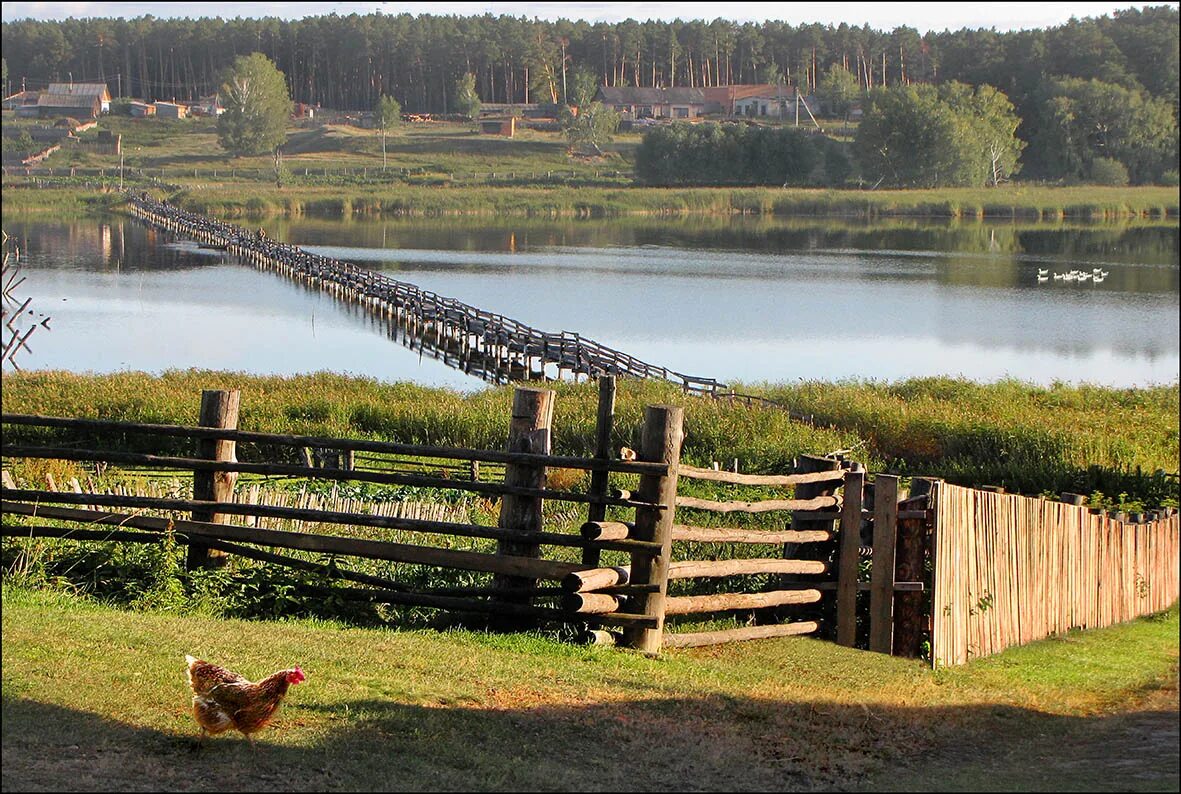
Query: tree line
{"type": "Point", "coordinates": [349, 62]}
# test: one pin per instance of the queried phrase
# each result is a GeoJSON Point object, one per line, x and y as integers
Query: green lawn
{"type": "Point", "coordinates": [95, 698]}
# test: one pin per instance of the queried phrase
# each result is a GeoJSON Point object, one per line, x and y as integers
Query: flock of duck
{"type": "Point", "coordinates": [1096, 275]}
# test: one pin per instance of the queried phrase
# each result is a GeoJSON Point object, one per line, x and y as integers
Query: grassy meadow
{"type": "Point", "coordinates": [95, 699]}
{"type": "Point", "coordinates": [440, 168]}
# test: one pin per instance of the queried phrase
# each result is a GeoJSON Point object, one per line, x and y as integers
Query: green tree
{"type": "Point", "coordinates": [589, 127]}
{"type": "Point", "coordinates": [583, 87]}
{"type": "Point", "coordinates": [1081, 120]}
{"type": "Point", "coordinates": [467, 101]}
{"type": "Point", "coordinates": [910, 138]}
{"type": "Point", "coordinates": [838, 90]}
{"type": "Point", "coordinates": [254, 94]}
{"type": "Point", "coordinates": [994, 125]}
{"type": "Point", "coordinates": [387, 115]}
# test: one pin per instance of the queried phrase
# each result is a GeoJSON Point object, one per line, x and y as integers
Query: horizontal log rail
{"type": "Point", "coordinates": [590, 603]}
{"type": "Point", "coordinates": [532, 568]}
{"type": "Point", "coordinates": [325, 517]}
{"type": "Point", "coordinates": [456, 604]}
{"type": "Point", "coordinates": [695, 569]}
{"type": "Point", "coordinates": [696, 639]}
{"type": "Point", "coordinates": [590, 579]}
{"type": "Point", "coordinates": [816, 503]}
{"type": "Point", "coordinates": [71, 533]}
{"type": "Point", "coordinates": [358, 445]}
{"type": "Point", "coordinates": [728, 535]}
{"type": "Point", "coordinates": [735, 478]}
{"type": "Point", "coordinates": [723, 602]}
{"type": "Point", "coordinates": [156, 537]}
{"type": "Point", "coordinates": [292, 470]}
{"type": "Point", "coordinates": [606, 530]}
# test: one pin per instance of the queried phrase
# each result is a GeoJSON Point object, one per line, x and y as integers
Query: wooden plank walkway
{"type": "Point", "coordinates": [490, 346]}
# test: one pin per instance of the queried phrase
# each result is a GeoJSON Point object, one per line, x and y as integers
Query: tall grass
{"type": "Point", "coordinates": [1029, 439]}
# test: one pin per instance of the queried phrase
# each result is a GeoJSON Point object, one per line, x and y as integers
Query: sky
{"type": "Point", "coordinates": [881, 16]}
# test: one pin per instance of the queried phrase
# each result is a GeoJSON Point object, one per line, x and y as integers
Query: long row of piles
{"type": "Point", "coordinates": [490, 346]}
{"type": "Point", "coordinates": [1010, 570]}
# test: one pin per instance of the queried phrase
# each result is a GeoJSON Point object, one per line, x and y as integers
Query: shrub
{"type": "Point", "coordinates": [1107, 171]}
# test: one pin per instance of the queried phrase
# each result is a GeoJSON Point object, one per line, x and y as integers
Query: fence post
{"type": "Point", "coordinates": [529, 431]}
{"type": "Point", "coordinates": [849, 559]}
{"type": "Point", "coordinates": [885, 533]}
{"type": "Point", "coordinates": [219, 408]}
{"type": "Point", "coordinates": [660, 443]}
{"type": "Point", "coordinates": [598, 483]}
{"type": "Point", "coordinates": [909, 565]}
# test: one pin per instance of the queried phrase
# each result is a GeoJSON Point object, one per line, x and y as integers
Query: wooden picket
{"type": "Point", "coordinates": [1009, 570]}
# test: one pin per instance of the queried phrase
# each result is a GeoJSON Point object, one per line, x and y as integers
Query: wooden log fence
{"type": "Point", "coordinates": [1007, 569]}
{"type": "Point", "coordinates": [490, 346]}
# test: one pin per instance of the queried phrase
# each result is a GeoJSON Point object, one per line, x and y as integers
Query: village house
{"type": "Point", "coordinates": [84, 89]}
{"type": "Point", "coordinates": [654, 103]}
{"type": "Point", "coordinates": [50, 104]}
{"type": "Point", "coordinates": [760, 101]}
{"type": "Point", "coordinates": [141, 109]}
{"type": "Point", "coordinates": [171, 110]}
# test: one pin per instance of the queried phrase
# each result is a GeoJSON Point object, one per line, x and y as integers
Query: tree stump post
{"type": "Point", "coordinates": [219, 408]}
{"type": "Point", "coordinates": [661, 443]}
{"type": "Point", "coordinates": [529, 431]}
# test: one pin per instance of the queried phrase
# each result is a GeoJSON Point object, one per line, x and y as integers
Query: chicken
{"type": "Point", "coordinates": [222, 699]}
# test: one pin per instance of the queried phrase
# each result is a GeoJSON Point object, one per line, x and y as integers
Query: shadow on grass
{"type": "Point", "coordinates": [710, 743]}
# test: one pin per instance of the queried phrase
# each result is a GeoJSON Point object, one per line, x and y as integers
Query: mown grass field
{"type": "Point", "coordinates": [95, 699]}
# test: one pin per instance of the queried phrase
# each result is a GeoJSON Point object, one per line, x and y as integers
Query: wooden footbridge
{"type": "Point", "coordinates": [492, 347]}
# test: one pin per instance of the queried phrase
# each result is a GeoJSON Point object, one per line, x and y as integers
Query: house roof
{"type": "Point", "coordinates": [50, 99]}
{"type": "Point", "coordinates": [732, 93]}
{"type": "Point", "coordinates": [619, 95]}
{"type": "Point", "coordinates": [84, 89]}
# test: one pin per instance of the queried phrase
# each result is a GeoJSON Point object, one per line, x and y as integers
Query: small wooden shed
{"type": "Point", "coordinates": [503, 126]}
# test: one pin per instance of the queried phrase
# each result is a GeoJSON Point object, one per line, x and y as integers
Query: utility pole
{"type": "Point", "coordinates": [119, 77]}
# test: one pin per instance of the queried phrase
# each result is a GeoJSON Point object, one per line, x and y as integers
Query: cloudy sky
{"type": "Point", "coordinates": [883, 16]}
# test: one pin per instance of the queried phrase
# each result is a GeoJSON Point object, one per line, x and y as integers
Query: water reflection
{"type": "Point", "coordinates": [746, 299]}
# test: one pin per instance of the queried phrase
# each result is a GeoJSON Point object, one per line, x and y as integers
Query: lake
{"type": "Point", "coordinates": [737, 299]}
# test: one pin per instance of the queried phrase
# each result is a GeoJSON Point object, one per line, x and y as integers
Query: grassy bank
{"type": "Point", "coordinates": [255, 200]}
{"type": "Point", "coordinates": [1028, 438]}
{"type": "Point", "coordinates": [96, 698]}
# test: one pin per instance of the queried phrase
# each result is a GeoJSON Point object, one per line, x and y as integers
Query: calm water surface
{"type": "Point", "coordinates": [736, 299]}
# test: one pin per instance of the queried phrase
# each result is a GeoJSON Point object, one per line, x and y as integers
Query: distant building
{"type": "Point", "coordinates": [141, 109]}
{"type": "Point", "coordinates": [206, 106]}
{"type": "Point", "coordinates": [506, 126]}
{"type": "Point", "coordinates": [76, 106]}
{"type": "Point", "coordinates": [22, 99]}
{"type": "Point", "coordinates": [84, 89]}
{"type": "Point", "coordinates": [171, 110]}
{"type": "Point", "coordinates": [654, 103]}
{"type": "Point", "coordinates": [766, 100]}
